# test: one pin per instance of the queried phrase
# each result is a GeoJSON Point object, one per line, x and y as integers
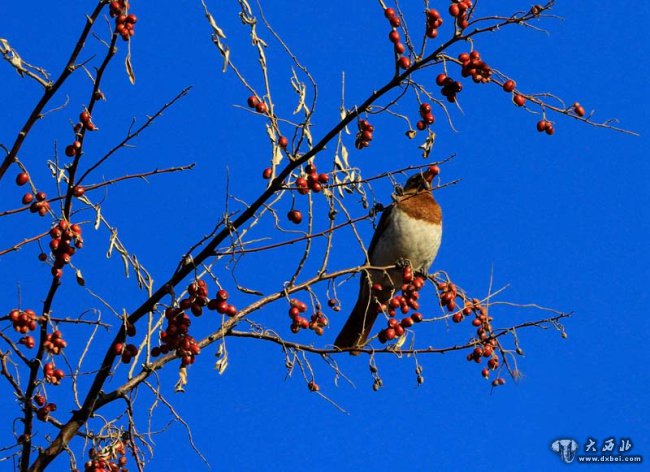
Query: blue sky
{"type": "Point", "coordinates": [562, 220]}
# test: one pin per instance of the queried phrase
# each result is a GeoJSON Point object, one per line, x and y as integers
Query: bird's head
{"type": "Point", "coordinates": [421, 181]}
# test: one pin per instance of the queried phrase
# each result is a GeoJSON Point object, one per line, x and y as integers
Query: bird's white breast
{"type": "Point", "coordinates": [408, 238]}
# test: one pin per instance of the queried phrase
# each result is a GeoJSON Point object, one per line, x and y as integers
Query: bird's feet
{"type": "Point", "coordinates": [402, 262]}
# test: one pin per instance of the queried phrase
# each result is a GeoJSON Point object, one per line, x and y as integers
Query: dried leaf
{"type": "Point", "coordinates": [226, 58]}
{"type": "Point", "coordinates": [182, 380]}
{"type": "Point", "coordinates": [129, 69]}
{"type": "Point", "coordinates": [344, 156]}
{"type": "Point", "coordinates": [222, 364]}
{"type": "Point", "coordinates": [98, 216]}
{"type": "Point", "coordinates": [80, 279]}
{"type": "Point", "coordinates": [213, 24]}
{"type": "Point", "coordinates": [111, 244]}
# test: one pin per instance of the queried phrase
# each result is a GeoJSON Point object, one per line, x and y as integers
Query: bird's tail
{"type": "Point", "coordinates": [359, 324]}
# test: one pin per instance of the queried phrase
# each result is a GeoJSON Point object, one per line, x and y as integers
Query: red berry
{"type": "Point", "coordinates": [261, 107]}
{"type": "Point", "coordinates": [395, 21]}
{"type": "Point", "coordinates": [28, 198]}
{"type": "Point", "coordinates": [519, 100]}
{"type": "Point", "coordinates": [509, 85]}
{"type": "Point", "coordinates": [541, 125]}
{"type": "Point", "coordinates": [389, 13]}
{"type": "Point", "coordinates": [295, 216]}
{"type": "Point", "coordinates": [399, 48]}
{"type": "Point", "coordinates": [421, 125]}
{"type": "Point", "coordinates": [394, 36]}
{"type": "Point", "coordinates": [78, 190]}
{"type": "Point", "coordinates": [267, 173]}
{"type": "Point", "coordinates": [440, 80]}
{"type": "Point", "coordinates": [578, 109]}
{"type": "Point", "coordinates": [404, 62]}
{"type": "Point", "coordinates": [454, 10]}
{"type": "Point", "coordinates": [22, 178]}
{"type": "Point", "coordinates": [40, 196]}
{"type": "Point", "coordinates": [70, 150]}
{"type": "Point", "coordinates": [283, 142]}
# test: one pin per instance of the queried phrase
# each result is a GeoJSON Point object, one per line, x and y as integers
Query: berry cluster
{"type": "Point", "coordinates": [109, 459]}
{"type": "Point", "coordinates": [545, 126]}
{"type": "Point", "coordinates": [41, 205]}
{"type": "Point", "coordinates": [364, 136]}
{"type": "Point", "coordinates": [405, 301]}
{"type": "Point", "coordinates": [434, 21]}
{"type": "Point", "coordinates": [52, 374]}
{"type": "Point", "coordinates": [458, 9]}
{"type": "Point", "coordinates": [66, 239]}
{"type": "Point", "coordinates": [487, 343]}
{"type": "Point", "coordinates": [73, 149]}
{"type": "Point", "coordinates": [28, 341]}
{"type": "Point", "coordinates": [257, 104]}
{"type": "Point", "coordinates": [334, 304]}
{"type": "Point", "coordinates": [296, 309]}
{"type": "Point", "coordinates": [85, 121]}
{"type": "Point", "coordinates": [176, 337]}
{"type": "Point", "coordinates": [314, 181]}
{"type": "Point", "coordinates": [126, 351]}
{"type": "Point", "coordinates": [394, 37]}
{"type": "Point", "coordinates": [54, 342]}
{"type": "Point", "coordinates": [44, 411]}
{"type": "Point", "coordinates": [317, 323]}
{"type": "Point", "coordinates": [447, 293]}
{"type": "Point", "coordinates": [450, 87]}
{"type": "Point", "coordinates": [124, 24]}
{"type": "Point", "coordinates": [473, 66]}
{"type": "Point", "coordinates": [221, 305]}
{"type": "Point", "coordinates": [426, 115]}
{"type": "Point", "coordinates": [197, 298]}
{"type": "Point", "coordinates": [23, 321]}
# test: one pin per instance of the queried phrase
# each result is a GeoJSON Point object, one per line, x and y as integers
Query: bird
{"type": "Point", "coordinates": [410, 229]}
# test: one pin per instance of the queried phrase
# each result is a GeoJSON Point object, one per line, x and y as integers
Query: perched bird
{"type": "Point", "coordinates": [409, 229]}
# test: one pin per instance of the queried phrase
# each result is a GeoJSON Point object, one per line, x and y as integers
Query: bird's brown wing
{"type": "Point", "coordinates": [381, 227]}
{"type": "Point", "coordinates": [359, 324]}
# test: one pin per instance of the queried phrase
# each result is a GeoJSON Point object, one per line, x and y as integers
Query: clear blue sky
{"type": "Point", "coordinates": [564, 220]}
